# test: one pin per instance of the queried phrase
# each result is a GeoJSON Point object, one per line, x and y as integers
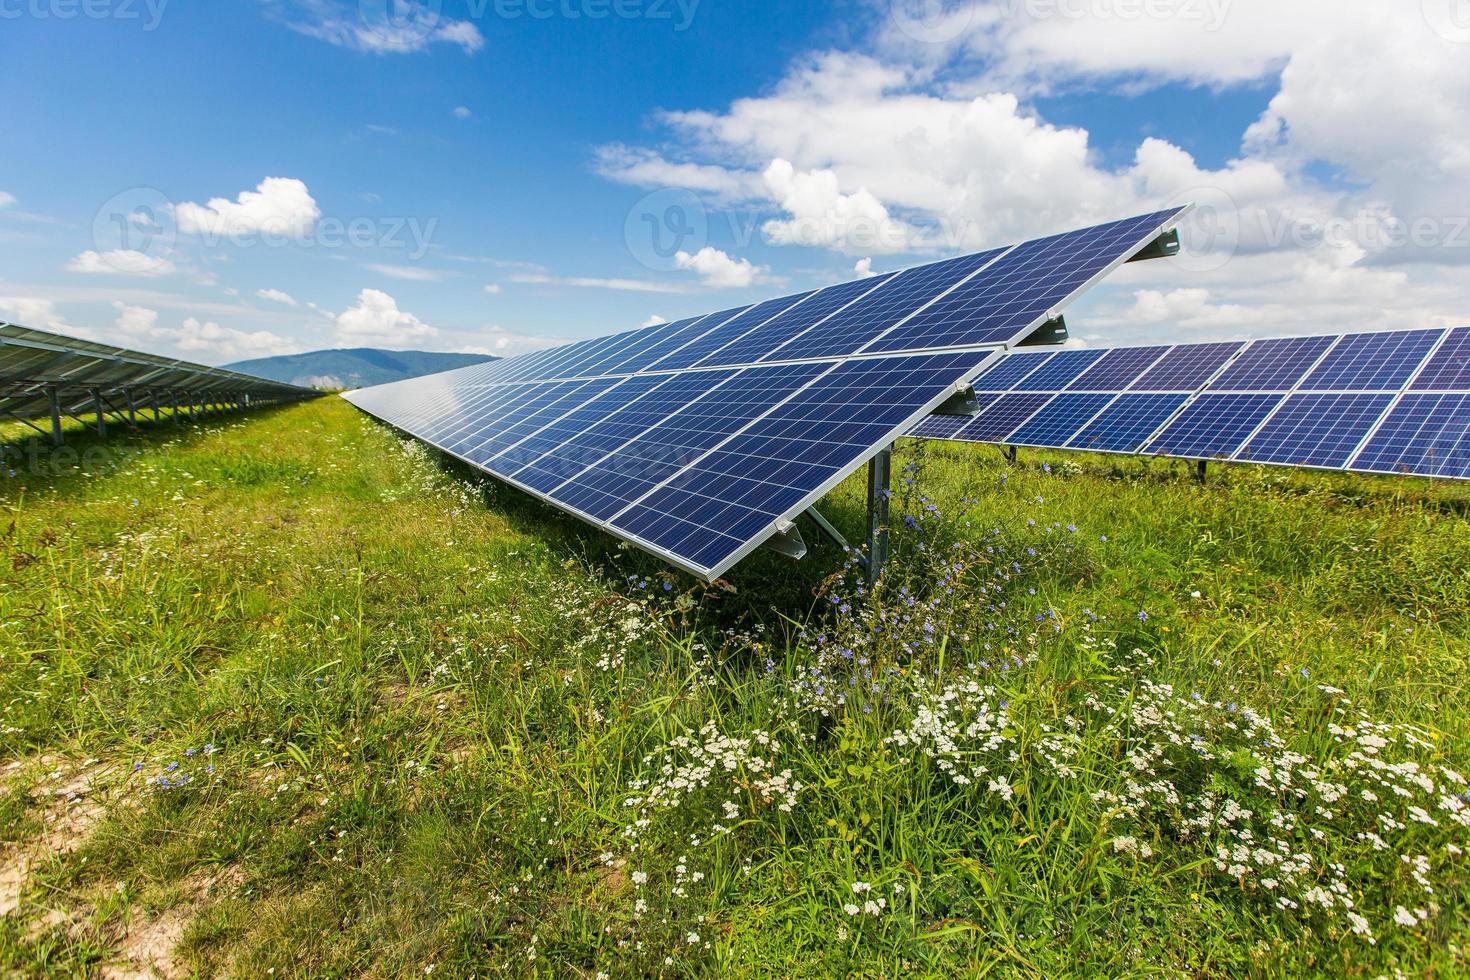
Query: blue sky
{"type": "Point", "coordinates": [235, 179]}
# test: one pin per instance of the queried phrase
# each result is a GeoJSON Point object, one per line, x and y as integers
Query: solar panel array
{"type": "Point", "coordinates": [36, 363]}
{"type": "Point", "coordinates": [698, 440]}
{"type": "Point", "coordinates": [1395, 402]}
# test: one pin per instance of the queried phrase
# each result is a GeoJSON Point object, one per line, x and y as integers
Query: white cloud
{"type": "Point", "coordinates": [500, 342]}
{"type": "Point", "coordinates": [194, 339]}
{"type": "Point", "coordinates": [410, 273]}
{"type": "Point", "coordinates": [583, 282]}
{"type": "Point", "coordinates": [718, 270]}
{"type": "Point", "coordinates": [462, 112]}
{"type": "Point", "coordinates": [386, 27]}
{"type": "Point", "coordinates": [377, 320]}
{"type": "Point", "coordinates": [37, 313]}
{"type": "Point", "coordinates": [121, 262]}
{"type": "Point", "coordinates": [493, 289]}
{"type": "Point", "coordinates": [653, 321]}
{"type": "Point", "coordinates": [6, 200]}
{"type": "Point", "coordinates": [821, 214]}
{"type": "Point", "coordinates": [643, 167]}
{"type": "Point", "coordinates": [277, 296]}
{"type": "Point", "coordinates": [279, 207]}
{"type": "Point", "coordinates": [864, 269]}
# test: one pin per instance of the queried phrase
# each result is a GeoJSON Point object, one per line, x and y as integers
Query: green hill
{"type": "Point", "coordinates": [359, 367]}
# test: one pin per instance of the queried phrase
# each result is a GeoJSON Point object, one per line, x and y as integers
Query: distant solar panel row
{"type": "Point", "coordinates": [1392, 402]}
{"type": "Point", "coordinates": [697, 440]}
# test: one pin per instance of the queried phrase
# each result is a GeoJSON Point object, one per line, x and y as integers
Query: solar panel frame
{"type": "Point", "coordinates": [1311, 429]}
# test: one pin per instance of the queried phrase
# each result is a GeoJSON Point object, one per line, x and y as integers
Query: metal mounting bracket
{"type": "Point", "coordinates": [788, 541]}
{"type": "Point", "coordinates": [1163, 247]}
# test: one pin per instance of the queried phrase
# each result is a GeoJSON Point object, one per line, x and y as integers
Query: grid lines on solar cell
{"type": "Point", "coordinates": [657, 452]}
{"type": "Point", "coordinates": [1126, 424]}
{"type": "Point", "coordinates": [531, 464]}
{"type": "Point", "coordinates": [764, 339]}
{"type": "Point", "coordinates": [1186, 368]}
{"type": "Point", "coordinates": [710, 510]}
{"type": "Point", "coordinates": [949, 426]}
{"type": "Point", "coordinates": [1004, 416]}
{"type": "Point", "coordinates": [1272, 365]}
{"type": "Point", "coordinates": [1022, 287]}
{"type": "Point", "coordinates": [1056, 424]}
{"type": "Point", "coordinates": [1118, 369]}
{"type": "Point", "coordinates": [1010, 370]}
{"type": "Point", "coordinates": [730, 330]}
{"type": "Point", "coordinates": [1372, 361]}
{"type": "Point", "coordinates": [651, 355]}
{"type": "Point", "coordinates": [1060, 371]}
{"type": "Point", "coordinates": [1316, 430]}
{"type": "Point", "coordinates": [1426, 435]}
{"type": "Point", "coordinates": [1213, 426]}
{"type": "Point", "coordinates": [855, 326]}
{"type": "Point", "coordinates": [469, 407]}
{"type": "Point", "coordinates": [590, 446]}
{"type": "Point", "coordinates": [531, 416]}
{"type": "Point", "coordinates": [608, 362]}
{"type": "Point", "coordinates": [1449, 368]}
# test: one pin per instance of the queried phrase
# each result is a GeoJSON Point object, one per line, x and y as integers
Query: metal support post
{"type": "Point", "coordinates": [101, 415]}
{"type": "Point", "coordinates": [55, 415]}
{"type": "Point", "coordinates": [880, 471]}
{"type": "Point", "coordinates": [132, 409]}
{"type": "Point", "coordinates": [1201, 470]}
{"type": "Point", "coordinates": [1013, 455]}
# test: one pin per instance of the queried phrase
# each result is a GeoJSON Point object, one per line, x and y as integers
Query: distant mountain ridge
{"type": "Point", "coordinates": [358, 367]}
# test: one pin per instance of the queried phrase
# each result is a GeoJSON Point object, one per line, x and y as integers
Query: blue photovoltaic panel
{"type": "Point", "coordinates": [1424, 435]}
{"type": "Point", "coordinates": [764, 339]}
{"type": "Point", "coordinates": [1004, 416]}
{"type": "Point", "coordinates": [658, 452]}
{"type": "Point", "coordinates": [1272, 365]}
{"type": "Point", "coordinates": [1060, 371]}
{"type": "Point", "coordinates": [472, 406]}
{"type": "Point", "coordinates": [538, 462]}
{"type": "Point", "coordinates": [570, 457]}
{"type": "Point", "coordinates": [713, 509]}
{"type": "Point", "coordinates": [855, 326]}
{"type": "Point", "coordinates": [949, 426]}
{"type": "Point", "coordinates": [1004, 375]}
{"type": "Point", "coordinates": [1373, 361]}
{"type": "Point", "coordinates": [1316, 430]}
{"type": "Point", "coordinates": [606, 362]}
{"type": "Point", "coordinates": [730, 330]}
{"type": "Point", "coordinates": [1058, 422]}
{"type": "Point", "coordinates": [1024, 286]}
{"type": "Point", "coordinates": [1213, 426]}
{"type": "Point", "coordinates": [1186, 368]}
{"type": "Point", "coordinates": [532, 416]}
{"type": "Point", "coordinates": [649, 356]}
{"type": "Point", "coordinates": [1126, 424]}
{"type": "Point", "coordinates": [1118, 369]}
{"type": "Point", "coordinates": [1449, 368]}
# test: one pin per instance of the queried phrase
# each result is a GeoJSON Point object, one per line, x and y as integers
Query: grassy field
{"type": "Point", "coordinates": [285, 694]}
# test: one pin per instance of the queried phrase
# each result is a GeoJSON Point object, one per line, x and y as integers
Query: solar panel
{"type": "Point", "coordinates": [1213, 426]}
{"type": "Point", "coordinates": [1449, 367]}
{"type": "Point", "coordinates": [697, 440]}
{"type": "Point", "coordinates": [1060, 371]}
{"type": "Point", "coordinates": [1316, 430]}
{"type": "Point", "coordinates": [1024, 287]}
{"type": "Point", "coordinates": [1004, 416]}
{"type": "Point", "coordinates": [1424, 435]}
{"type": "Point", "coordinates": [1010, 370]}
{"type": "Point", "coordinates": [1060, 420]}
{"type": "Point", "coordinates": [949, 426]}
{"type": "Point", "coordinates": [1118, 369]}
{"type": "Point", "coordinates": [1373, 361]}
{"type": "Point", "coordinates": [1273, 365]}
{"type": "Point", "coordinates": [794, 455]}
{"type": "Point", "coordinates": [1126, 425]}
{"type": "Point", "coordinates": [1186, 368]}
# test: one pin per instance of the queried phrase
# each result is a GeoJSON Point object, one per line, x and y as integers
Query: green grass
{"type": "Point", "coordinates": [429, 702]}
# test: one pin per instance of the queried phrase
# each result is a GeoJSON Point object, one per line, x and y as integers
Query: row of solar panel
{"type": "Point", "coordinates": [1393, 402]}
{"type": "Point", "coordinates": [988, 299]}
{"type": "Point", "coordinates": [693, 465]}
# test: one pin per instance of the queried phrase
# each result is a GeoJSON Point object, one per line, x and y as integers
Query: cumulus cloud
{"type": "Point", "coordinates": [864, 269]}
{"type": "Point", "coordinates": [718, 270]}
{"type": "Point", "coordinates": [377, 320]}
{"type": "Point", "coordinates": [382, 27]}
{"type": "Point", "coordinates": [6, 200]}
{"type": "Point", "coordinates": [279, 207]}
{"type": "Point", "coordinates": [821, 214]}
{"type": "Point", "coordinates": [195, 339]}
{"type": "Point", "coordinates": [653, 321]}
{"type": "Point", "coordinates": [121, 262]}
{"type": "Point", "coordinates": [37, 313]}
{"type": "Point", "coordinates": [277, 296]}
